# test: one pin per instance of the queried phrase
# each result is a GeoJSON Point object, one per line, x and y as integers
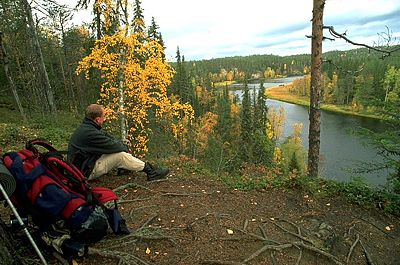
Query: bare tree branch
{"type": "Point", "coordinates": [386, 36]}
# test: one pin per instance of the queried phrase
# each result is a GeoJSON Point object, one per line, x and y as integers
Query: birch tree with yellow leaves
{"type": "Point", "coordinates": [135, 81]}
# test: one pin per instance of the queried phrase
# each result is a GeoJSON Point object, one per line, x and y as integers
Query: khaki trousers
{"type": "Point", "coordinates": [108, 162]}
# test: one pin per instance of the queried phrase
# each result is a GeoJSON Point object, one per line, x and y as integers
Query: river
{"type": "Point", "coordinates": [339, 150]}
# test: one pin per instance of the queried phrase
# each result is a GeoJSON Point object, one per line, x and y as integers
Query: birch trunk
{"type": "Point", "coordinates": [10, 79]}
{"type": "Point", "coordinates": [121, 97]}
{"type": "Point", "coordinates": [42, 68]}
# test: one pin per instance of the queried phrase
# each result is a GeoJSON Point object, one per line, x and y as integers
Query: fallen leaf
{"type": "Point", "coordinates": [148, 251]}
{"type": "Point", "coordinates": [253, 220]}
{"type": "Point", "coordinates": [328, 204]}
{"type": "Point", "coordinates": [229, 231]}
{"type": "Point", "coordinates": [387, 228]}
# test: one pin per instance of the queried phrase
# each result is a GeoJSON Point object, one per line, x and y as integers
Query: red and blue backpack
{"type": "Point", "coordinates": [50, 189]}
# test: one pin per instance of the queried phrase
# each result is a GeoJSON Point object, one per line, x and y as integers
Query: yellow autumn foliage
{"type": "Point", "coordinates": [204, 128]}
{"type": "Point", "coordinates": [276, 118]}
{"type": "Point", "coordinates": [136, 79]}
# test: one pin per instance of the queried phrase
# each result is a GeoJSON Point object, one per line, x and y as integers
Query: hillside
{"type": "Point", "coordinates": [196, 219]}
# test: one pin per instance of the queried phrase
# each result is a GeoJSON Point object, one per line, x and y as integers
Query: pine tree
{"type": "Point", "coordinates": [225, 121]}
{"type": "Point", "coordinates": [138, 20]}
{"type": "Point", "coordinates": [152, 32]}
{"type": "Point", "coordinates": [261, 110]}
{"type": "Point", "coordinates": [263, 147]}
{"type": "Point", "coordinates": [154, 35]}
{"type": "Point", "coordinates": [294, 164]}
{"type": "Point", "coordinates": [182, 86]}
{"type": "Point", "coordinates": [387, 142]}
{"type": "Point", "coordinates": [246, 127]}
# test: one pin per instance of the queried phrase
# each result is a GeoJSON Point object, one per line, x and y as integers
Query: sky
{"type": "Point", "coordinates": [209, 29]}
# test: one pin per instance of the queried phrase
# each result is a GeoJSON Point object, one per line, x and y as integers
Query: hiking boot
{"type": "Point", "coordinates": [155, 173]}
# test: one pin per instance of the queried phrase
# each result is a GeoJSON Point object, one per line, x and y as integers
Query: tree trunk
{"type": "Point", "coordinates": [7, 251]}
{"type": "Point", "coordinates": [38, 52]}
{"type": "Point", "coordinates": [10, 79]}
{"type": "Point", "coordinates": [122, 97]}
{"type": "Point", "coordinates": [315, 95]}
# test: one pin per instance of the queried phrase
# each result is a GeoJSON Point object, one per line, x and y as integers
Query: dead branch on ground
{"type": "Point", "coordinates": [220, 262]}
{"type": "Point", "coordinates": [130, 185]}
{"type": "Point", "coordinates": [367, 255]}
{"type": "Point", "coordinates": [134, 200]}
{"type": "Point", "coordinates": [184, 194]}
{"type": "Point", "coordinates": [352, 248]}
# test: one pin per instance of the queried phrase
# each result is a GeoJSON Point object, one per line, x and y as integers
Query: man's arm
{"type": "Point", "coordinates": [104, 143]}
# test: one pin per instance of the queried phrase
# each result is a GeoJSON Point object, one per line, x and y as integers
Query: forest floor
{"type": "Point", "coordinates": [193, 219]}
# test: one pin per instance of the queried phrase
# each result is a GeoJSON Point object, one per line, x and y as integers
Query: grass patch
{"type": "Point", "coordinates": [223, 84]}
{"type": "Point", "coordinates": [55, 129]}
{"type": "Point", "coordinates": [282, 93]}
{"type": "Point", "coordinates": [356, 191]}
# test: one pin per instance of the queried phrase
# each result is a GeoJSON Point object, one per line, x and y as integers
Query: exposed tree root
{"type": "Point", "coordinates": [267, 247]}
{"type": "Point", "coordinates": [292, 233]}
{"type": "Point", "coordinates": [319, 251]}
{"type": "Point", "coordinates": [123, 257]}
{"type": "Point", "coordinates": [276, 246]}
{"type": "Point", "coordinates": [220, 262]}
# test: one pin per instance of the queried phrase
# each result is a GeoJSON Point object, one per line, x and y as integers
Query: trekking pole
{"type": "Point", "coordinates": [14, 210]}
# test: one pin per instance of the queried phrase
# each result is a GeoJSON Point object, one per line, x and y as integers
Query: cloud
{"type": "Point", "coordinates": [220, 28]}
{"type": "Point", "coordinates": [390, 17]}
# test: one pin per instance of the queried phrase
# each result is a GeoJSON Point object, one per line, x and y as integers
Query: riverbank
{"type": "Point", "coordinates": [282, 93]}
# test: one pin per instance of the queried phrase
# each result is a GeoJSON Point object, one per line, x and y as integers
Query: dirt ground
{"type": "Point", "coordinates": [197, 220]}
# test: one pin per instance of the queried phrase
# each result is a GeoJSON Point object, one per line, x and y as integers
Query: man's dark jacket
{"type": "Point", "coordinates": [88, 143]}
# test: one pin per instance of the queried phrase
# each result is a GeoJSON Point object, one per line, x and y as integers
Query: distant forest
{"type": "Point", "coordinates": [357, 77]}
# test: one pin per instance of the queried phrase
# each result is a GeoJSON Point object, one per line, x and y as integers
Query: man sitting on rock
{"type": "Point", "coordinates": [96, 152]}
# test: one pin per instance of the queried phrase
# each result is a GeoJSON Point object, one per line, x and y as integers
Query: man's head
{"type": "Point", "coordinates": [96, 113]}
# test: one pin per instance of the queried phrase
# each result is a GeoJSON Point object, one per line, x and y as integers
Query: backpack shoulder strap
{"type": "Point", "coordinates": [30, 145]}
